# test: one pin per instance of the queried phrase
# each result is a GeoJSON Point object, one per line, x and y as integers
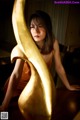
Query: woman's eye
{"type": "Point", "coordinates": [31, 26]}
{"type": "Point", "coordinates": [40, 26]}
{"type": "Point", "coordinates": [36, 26]}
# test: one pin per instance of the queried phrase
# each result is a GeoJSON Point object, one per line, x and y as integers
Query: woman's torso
{"type": "Point", "coordinates": [48, 58]}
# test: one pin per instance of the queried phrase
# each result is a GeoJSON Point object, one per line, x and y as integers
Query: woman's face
{"type": "Point", "coordinates": [37, 30]}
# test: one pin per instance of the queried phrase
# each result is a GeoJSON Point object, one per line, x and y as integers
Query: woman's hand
{"type": "Point", "coordinates": [74, 87]}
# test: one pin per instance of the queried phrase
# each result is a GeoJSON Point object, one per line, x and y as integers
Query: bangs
{"type": "Point", "coordinates": [37, 20]}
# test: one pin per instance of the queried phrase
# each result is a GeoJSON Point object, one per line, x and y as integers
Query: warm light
{"type": "Point", "coordinates": [72, 106]}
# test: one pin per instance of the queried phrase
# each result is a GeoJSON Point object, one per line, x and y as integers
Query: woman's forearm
{"type": "Point", "coordinates": [10, 91]}
{"type": "Point", "coordinates": [65, 81]}
{"type": "Point", "coordinates": [62, 74]}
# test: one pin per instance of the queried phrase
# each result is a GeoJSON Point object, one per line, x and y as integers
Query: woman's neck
{"type": "Point", "coordinates": [40, 44]}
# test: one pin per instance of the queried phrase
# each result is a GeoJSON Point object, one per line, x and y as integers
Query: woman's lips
{"type": "Point", "coordinates": [36, 36]}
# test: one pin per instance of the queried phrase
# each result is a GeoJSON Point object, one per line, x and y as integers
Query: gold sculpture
{"type": "Point", "coordinates": [38, 96]}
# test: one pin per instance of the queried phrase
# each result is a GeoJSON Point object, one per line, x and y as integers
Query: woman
{"type": "Point", "coordinates": [41, 31]}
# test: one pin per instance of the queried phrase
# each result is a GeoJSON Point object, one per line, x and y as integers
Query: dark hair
{"type": "Point", "coordinates": [48, 45]}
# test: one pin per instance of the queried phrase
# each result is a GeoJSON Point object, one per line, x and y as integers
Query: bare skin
{"type": "Point", "coordinates": [38, 33]}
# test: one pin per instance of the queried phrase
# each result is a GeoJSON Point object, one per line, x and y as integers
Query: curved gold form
{"type": "Point", "coordinates": [37, 98]}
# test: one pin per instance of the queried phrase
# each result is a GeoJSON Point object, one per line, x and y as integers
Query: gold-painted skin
{"type": "Point", "coordinates": [38, 97]}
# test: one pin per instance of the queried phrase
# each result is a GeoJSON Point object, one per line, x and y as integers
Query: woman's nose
{"type": "Point", "coordinates": [37, 28]}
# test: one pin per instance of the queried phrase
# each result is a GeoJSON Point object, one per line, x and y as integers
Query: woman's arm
{"type": "Point", "coordinates": [60, 69]}
{"type": "Point", "coordinates": [13, 82]}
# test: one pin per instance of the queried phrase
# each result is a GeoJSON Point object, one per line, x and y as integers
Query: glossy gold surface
{"type": "Point", "coordinates": [38, 97]}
